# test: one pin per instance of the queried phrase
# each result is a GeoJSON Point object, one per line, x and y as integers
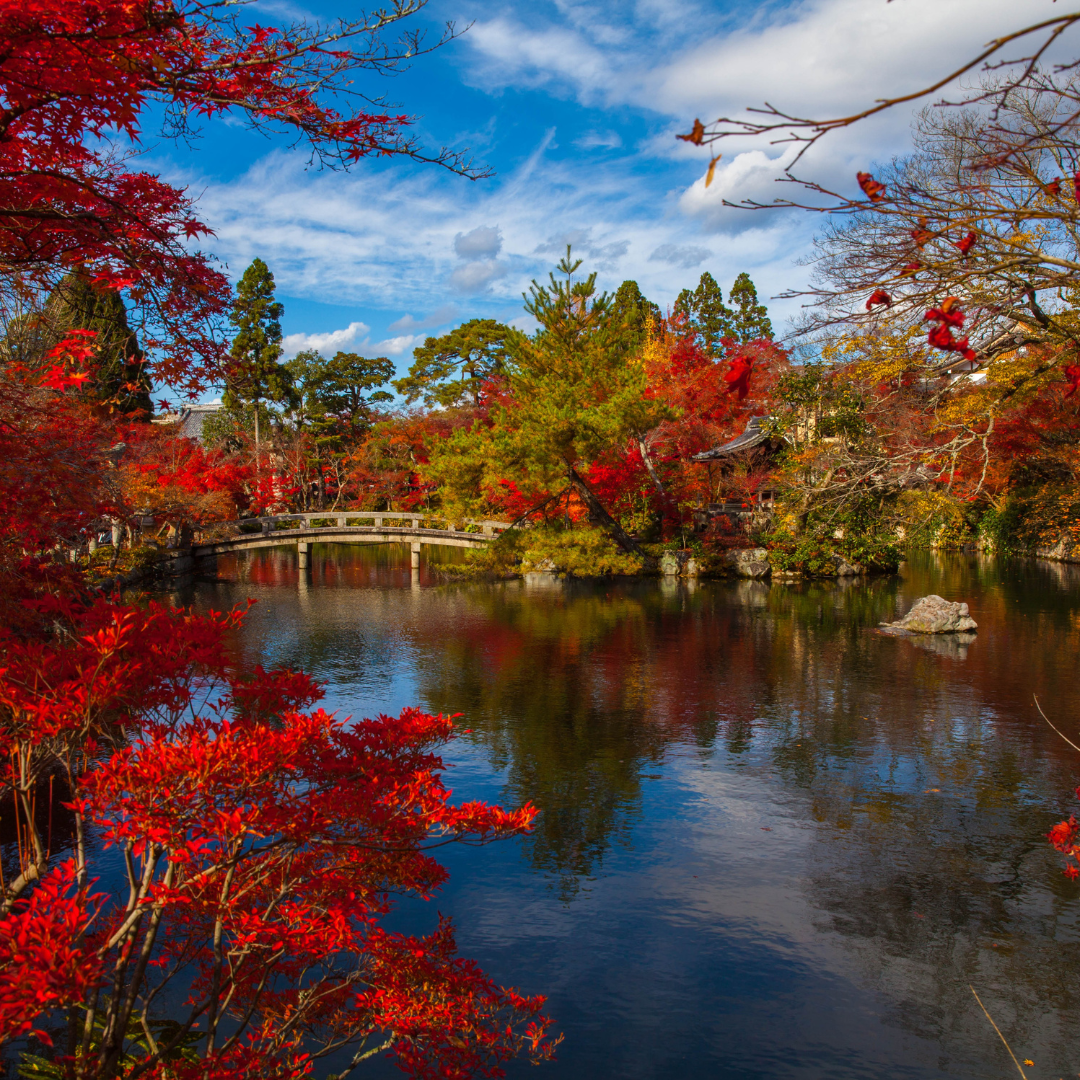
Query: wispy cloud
{"type": "Point", "coordinates": [439, 317]}
{"type": "Point", "coordinates": [393, 239]}
{"type": "Point", "coordinates": [684, 257]}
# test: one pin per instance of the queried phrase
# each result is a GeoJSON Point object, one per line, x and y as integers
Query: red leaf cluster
{"type": "Point", "coordinates": [1072, 377]}
{"type": "Point", "coordinates": [738, 375]}
{"type": "Point", "coordinates": [872, 189]}
{"type": "Point", "coordinates": [941, 337]}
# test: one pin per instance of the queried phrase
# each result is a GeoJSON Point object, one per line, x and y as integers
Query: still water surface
{"type": "Point", "coordinates": [773, 842]}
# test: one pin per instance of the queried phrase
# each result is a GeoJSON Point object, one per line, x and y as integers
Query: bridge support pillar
{"type": "Point", "coordinates": [302, 554]}
{"type": "Point", "coordinates": [415, 556]}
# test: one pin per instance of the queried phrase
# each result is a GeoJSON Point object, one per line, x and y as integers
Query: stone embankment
{"type": "Point", "coordinates": [741, 563]}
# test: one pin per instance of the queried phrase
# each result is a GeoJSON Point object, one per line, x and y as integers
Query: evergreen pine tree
{"type": "Point", "coordinates": [630, 307]}
{"type": "Point", "coordinates": [256, 374]}
{"type": "Point", "coordinates": [750, 319]}
{"type": "Point", "coordinates": [705, 312]}
{"type": "Point", "coordinates": [120, 380]}
{"type": "Point", "coordinates": [451, 369]}
{"type": "Point", "coordinates": [575, 394]}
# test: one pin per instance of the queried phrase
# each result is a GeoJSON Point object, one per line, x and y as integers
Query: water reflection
{"type": "Point", "coordinates": [749, 778]}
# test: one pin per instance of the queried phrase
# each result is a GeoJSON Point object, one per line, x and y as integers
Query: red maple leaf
{"type": "Point", "coordinates": [878, 296]}
{"type": "Point", "coordinates": [738, 375]}
{"type": "Point", "coordinates": [967, 243]}
{"type": "Point", "coordinates": [872, 189]}
{"type": "Point", "coordinates": [922, 234]}
{"type": "Point", "coordinates": [949, 314]}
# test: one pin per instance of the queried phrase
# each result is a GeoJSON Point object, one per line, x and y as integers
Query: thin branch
{"type": "Point", "coordinates": [998, 1030]}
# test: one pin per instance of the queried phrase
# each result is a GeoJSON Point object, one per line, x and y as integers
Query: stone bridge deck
{"type": "Point", "coordinates": [338, 527]}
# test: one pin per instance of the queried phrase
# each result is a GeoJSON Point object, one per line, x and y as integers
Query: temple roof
{"type": "Point", "coordinates": [751, 437]}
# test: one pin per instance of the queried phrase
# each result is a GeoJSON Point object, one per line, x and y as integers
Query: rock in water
{"type": "Point", "coordinates": [934, 615]}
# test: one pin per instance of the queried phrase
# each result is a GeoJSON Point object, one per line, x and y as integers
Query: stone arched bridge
{"type": "Point", "coordinates": [340, 527]}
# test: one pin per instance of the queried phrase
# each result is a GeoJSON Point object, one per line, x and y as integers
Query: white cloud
{"type": "Point", "coordinates": [352, 338]}
{"type": "Point", "coordinates": [599, 140]}
{"type": "Point", "coordinates": [476, 276]}
{"type": "Point", "coordinates": [483, 241]}
{"type": "Point", "coordinates": [331, 342]}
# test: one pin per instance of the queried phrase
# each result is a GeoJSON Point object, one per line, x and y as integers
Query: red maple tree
{"type": "Point", "coordinates": [203, 863]}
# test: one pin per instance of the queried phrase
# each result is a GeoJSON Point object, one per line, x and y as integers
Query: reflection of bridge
{"type": "Point", "coordinates": [337, 527]}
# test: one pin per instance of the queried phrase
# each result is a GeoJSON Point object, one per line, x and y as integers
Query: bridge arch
{"type": "Point", "coordinates": [302, 530]}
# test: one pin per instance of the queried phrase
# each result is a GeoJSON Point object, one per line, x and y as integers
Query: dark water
{"type": "Point", "coordinates": [773, 842]}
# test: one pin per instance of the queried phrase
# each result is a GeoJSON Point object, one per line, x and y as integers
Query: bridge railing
{"type": "Point", "coordinates": [347, 519]}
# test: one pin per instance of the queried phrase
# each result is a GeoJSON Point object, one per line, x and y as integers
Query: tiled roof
{"type": "Point", "coordinates": [751, 437]}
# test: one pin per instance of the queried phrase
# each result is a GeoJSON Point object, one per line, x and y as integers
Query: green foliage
{"type": "Point", "coordinates": [577, 552]}
{"type": "Point", "coordinates": [339, 393]}
{"type": "Point", "coordinates": [121, 377]}
{"type": "Point", "coordinates": [575, 393]}
{"type": "Point", "coordinates": [863, 533]}
{"type": "Point", "coordinates": [630, 309]}
{"type": "Point", "coordinates": [1035, 519]}
{"type": "Point", "coordinates": [811, 555]}
{"type": "Point", "coordinates": [232, 427]}
{"type": "Point", "coordinates": [121, 380]}
{"type": "Point", "coordinates": [750, 319]}
{"type": "Point", "coordinates": [817, 404]}
{"type": "Point", "coordinates": [581, 551]}
{"type": "Point", "coordinates": [935, 519]}
{"type": "Point", "coordinates": [450, 370]}
{"type": "Point", "coordinates": [705, 311]}
{"type": "Point", "coordinates": [256, 373]}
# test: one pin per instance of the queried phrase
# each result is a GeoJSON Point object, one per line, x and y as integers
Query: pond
{"type": "Point", "coordinates": [773, 842]}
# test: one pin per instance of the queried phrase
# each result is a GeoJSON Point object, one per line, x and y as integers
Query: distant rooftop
{"type": "Point", "coordinates": [190, 418]}
{"type": "Point", "coordinates": [751, 437]}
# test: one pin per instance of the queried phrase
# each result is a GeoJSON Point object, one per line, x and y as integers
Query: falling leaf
{"type": "Point", "coordinates": [712, 169]}
{"type": "Point", "coordinates": [1028, 1061]}
{"type": "Point", "coordinates": [697, 133]}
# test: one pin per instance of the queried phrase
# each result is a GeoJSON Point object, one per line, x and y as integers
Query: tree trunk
{"type": "Point", "coordinates": [599, 514]}
{"type": "Point", "coordinates": [650, 467]}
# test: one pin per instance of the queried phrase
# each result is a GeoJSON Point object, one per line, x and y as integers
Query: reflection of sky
{"type": "Point", "coordinates": [575, 107]}
{"type": "Point", "coordinates": [782, 891]}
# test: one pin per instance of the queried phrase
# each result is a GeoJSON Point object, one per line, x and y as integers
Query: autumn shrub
{"type": "Point", "coordinates": [934, 519]}
{"type": "Point", "coordinates": [1034, 519]}
{"type": "Point", "coordinates": [578, 552]}
{"type": "Point", "coordinates": [862, 534]}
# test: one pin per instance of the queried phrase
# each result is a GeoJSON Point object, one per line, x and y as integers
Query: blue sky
{"type": "Point", "coordinates": [574, 105]}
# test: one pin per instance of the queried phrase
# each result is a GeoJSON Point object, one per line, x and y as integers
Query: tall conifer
{"type": "Point", "coordinates": [256, 374]}
{"type": "Point", "coordinates": [750, 320]}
